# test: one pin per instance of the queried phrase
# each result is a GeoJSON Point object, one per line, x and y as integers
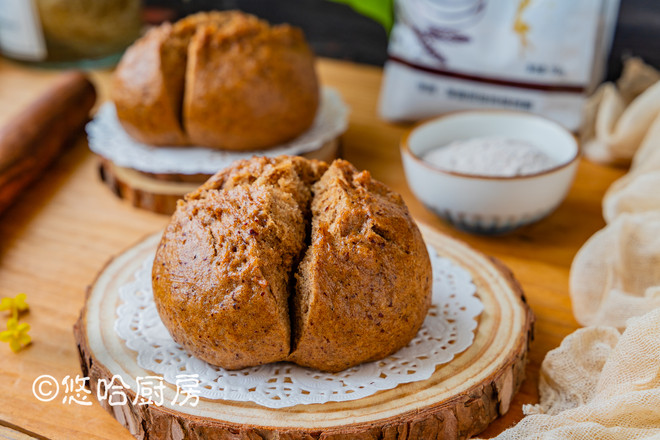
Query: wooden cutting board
{"type": "Point", "coordinates": [459, 400]}
{"type": "Point", "coordinates": [63, 228]}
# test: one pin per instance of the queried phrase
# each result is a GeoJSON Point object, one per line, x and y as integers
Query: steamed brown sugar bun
{"type": "Point", "coordinates": [291, 259]}
{"type": "Point", "coordinates": [225, 80]}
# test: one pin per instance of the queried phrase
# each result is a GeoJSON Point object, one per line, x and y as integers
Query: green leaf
{"type": "Point", "coordinates": [381, 11]}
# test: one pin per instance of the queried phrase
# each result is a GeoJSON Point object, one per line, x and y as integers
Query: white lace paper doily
{"type": "Point", "coordinates": [107, 138]}
{"type": "Point", "coordinates": [447, 331]}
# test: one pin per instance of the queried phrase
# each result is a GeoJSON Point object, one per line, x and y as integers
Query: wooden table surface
{"type": "Point", "coordinates": [65, 227]}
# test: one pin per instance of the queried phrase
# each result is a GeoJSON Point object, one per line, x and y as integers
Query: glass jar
{"type": "Point", "coordinates": [68, 32]}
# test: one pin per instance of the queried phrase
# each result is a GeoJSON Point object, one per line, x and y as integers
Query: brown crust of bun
{"type": "Point", "coordinates": [147, 88]}
{"type": "Point", "coordinates": [364, 286]}
{"type": "Point", "coordinates": [223, 274]}
{"type": "Point", "coordinates": [248, 85]}
{"type": "Point", "coordinates": [220, 277]}
{"type": "Point", "coordinates": [223, 80]}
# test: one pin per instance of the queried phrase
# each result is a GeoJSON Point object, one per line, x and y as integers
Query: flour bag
{"type": "Point", "coordinates": [541, 56]}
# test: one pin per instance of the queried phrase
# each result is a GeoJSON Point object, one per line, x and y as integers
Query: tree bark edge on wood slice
{"type": "Point", "coordinates": [462, 416]}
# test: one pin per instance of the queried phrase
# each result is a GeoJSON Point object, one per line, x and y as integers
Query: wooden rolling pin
{"type": "Point", "coordinates": [30, 141]}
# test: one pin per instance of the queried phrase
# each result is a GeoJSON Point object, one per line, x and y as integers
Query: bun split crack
{"type": "Point", "coordinates": [225, 80]}
{"type": "Point", "coordinates": [289, 259]}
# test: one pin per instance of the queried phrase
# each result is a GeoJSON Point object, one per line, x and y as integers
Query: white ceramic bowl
{"type": "Point", "coordinates": [484, 204]}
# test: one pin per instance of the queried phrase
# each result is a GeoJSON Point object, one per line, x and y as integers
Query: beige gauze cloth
{"type": "Point", "coordinates": [616, 274]}
{"type": "Point", "coordinates": [599, 385]}
{"type": "Point", "coordinates": [617, 117]}
{"type": "Point", "coordinates": [639, 190]}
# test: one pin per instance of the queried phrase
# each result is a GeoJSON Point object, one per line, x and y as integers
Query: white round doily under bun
{"type": "Point", "coordinates": [447, 331]}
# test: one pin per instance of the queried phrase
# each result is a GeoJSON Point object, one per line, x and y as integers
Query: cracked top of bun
{"type": "Point", "coordinates": [291, 259]}
{"type": "Point", "coordinates": [225, 80]}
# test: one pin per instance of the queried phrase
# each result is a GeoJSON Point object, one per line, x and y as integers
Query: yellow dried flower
{"type": "Point", "coordinates": [14, 305]}
{"type": "Point", "coordinates": [16, 334]}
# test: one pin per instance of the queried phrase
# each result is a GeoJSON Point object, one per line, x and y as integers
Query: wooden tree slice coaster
{"type": "Point", "coordinates": [459, 400]}
{"type": "Point", "coordinates": [160, 192]}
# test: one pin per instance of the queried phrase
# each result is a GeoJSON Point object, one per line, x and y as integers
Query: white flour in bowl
{"type": "Point", "coordinates": [493, 156]}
